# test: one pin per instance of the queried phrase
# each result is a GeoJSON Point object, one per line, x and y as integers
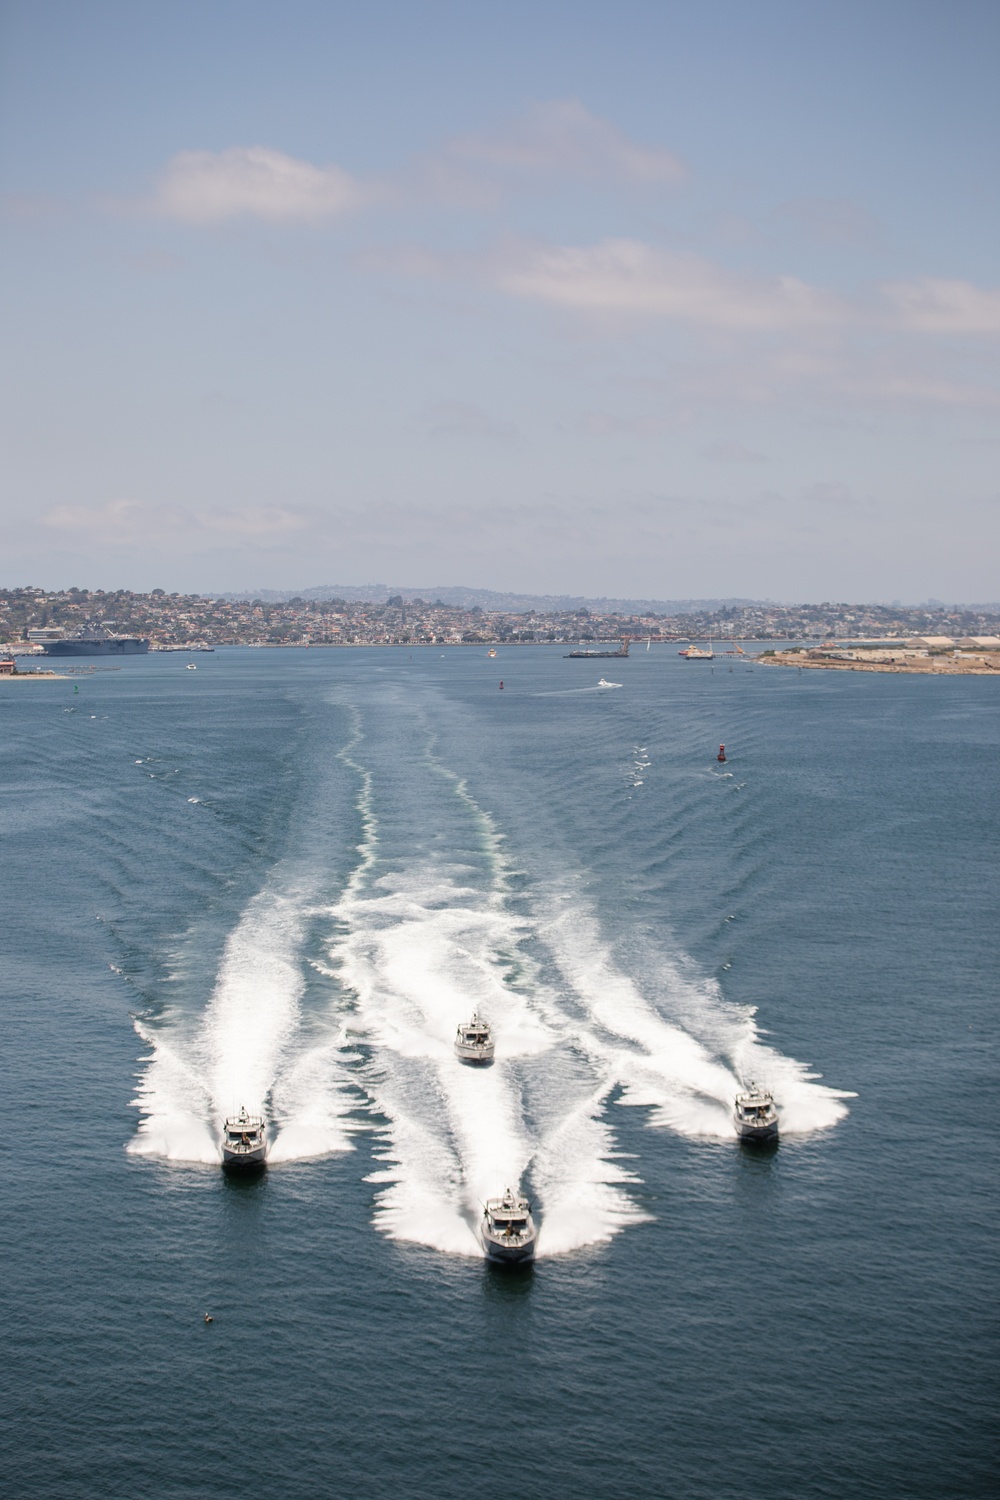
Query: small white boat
{"type": "Point", "coordinates": [508, 1230]}
{"type": "Point", "coordinates": [474, 1041]}
{"type": "Point", "coordinates": [190, 667]}
{"type": "Point", "coordinates": [602, 683]}
{"type": "Point", "coordinates": [243, 1141]}
{"type": "Point", "coordinates": [755, 1115]}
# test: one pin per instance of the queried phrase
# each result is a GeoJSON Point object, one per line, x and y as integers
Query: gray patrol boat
{"type": "Point", "coordinates": [243, 1141]}
{"type": "Point", "coordinates": [755, 1115]}
{"type": "Point", "coordinates": [508, 1230]}
{"type": "Point", "coordinates": [474, 1041]}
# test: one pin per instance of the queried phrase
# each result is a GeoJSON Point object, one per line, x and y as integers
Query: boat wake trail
{"type": "Point", "coordinates": [670, 1040]}
{"type": "Point", "coordinates": [434, 926]}
{"type": "Point", "coordinates": [426, 935]}
{"type": "Point", "coordinates": [251, 1046]}
{"type": "Point", "coordinates": [431, 924]}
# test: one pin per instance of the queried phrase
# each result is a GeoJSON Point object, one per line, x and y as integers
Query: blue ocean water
{"type": "Point", "coordinates": [283, 879]}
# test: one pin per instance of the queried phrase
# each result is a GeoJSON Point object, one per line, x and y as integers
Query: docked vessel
{"type": "Point", "coordinates": [755, 1115]}
{"type": "Point", "coordinates": [694, 653]}
{"type": "Point", "coordinates": [92, 640]}
{"type": "Point", "coordinates": [474, 1041]}
{"type": "Point", "coordinates": [588, 654]}
{"type": "Point", "coordinates": [508, 1230]}
{"type": "Point", "coordinates": [243, 1141]}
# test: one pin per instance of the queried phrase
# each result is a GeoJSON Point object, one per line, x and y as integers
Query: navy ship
{"type": "Point", "coordinates": [92, 640]}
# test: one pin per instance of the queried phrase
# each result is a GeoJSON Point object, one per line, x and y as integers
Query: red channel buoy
{"type": "Point", "coordinates": [722, 754]}
{"type": "Point", "coordinates": [501, 684]}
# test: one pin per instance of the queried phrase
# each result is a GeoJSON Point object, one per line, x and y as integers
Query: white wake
{"type": "Point", "coordinates": [249, 1047]}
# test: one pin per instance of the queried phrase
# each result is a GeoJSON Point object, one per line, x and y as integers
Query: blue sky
{"type": "Point", "coordinates": [642, 299]}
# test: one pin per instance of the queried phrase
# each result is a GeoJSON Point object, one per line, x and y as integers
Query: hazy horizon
{"type": "Point", "coordinates": [460, 596]}
{"type": "Point", "coordinates": [661, 302]}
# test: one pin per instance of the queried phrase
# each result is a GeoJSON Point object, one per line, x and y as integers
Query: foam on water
{"type": "Point", "coordinates": [430, 926]}
{"type": "Point", "coordinates": [669, 1037]}
{"type": "Point", "coordinates": [420, 954]}
{"type": "Point", "coordinates": [422, 944]}
{"type": "Point", "coordinates": [247, 1048]}
{"type": "Point", "coordinates": [424, 937]}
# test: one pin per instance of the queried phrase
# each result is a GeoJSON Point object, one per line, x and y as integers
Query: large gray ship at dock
{"type": "Point", "coordinates": [91, 640]}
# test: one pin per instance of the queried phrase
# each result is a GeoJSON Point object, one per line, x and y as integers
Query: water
{"type": "Point", "coordinates": [283, 880]}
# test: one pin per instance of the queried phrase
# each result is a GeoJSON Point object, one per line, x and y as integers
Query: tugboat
{"type": "Point", "coordinates": [755, 1115]}
{"type": "Point", "coordinates": [508, 1230]}
{"type": "Point", "coordinates": [243, 1141]}
{"type": "Point", "coordinates": [474, 1041]}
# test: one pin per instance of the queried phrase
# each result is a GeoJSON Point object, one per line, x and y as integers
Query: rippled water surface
{"type": "Point", "coordinates": [283, 880]}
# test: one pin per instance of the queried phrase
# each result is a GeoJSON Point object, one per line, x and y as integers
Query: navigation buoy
{"type": "Point", "coordinates": [501, 684]}
{"type": "Point", "coordinates": [722, 754]}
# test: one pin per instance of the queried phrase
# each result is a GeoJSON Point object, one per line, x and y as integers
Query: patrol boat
{"type": "Point", "coordinates": [474, 1041]}
{"type": "Point", "coordinates": [508, 1230]}
{"type": "Point", "coordinates": [243, 1141]}
{"type": "Point", "coordinates": [755, 1115]}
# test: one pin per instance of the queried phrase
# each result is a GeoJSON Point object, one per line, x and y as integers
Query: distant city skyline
{"type": "Point", "coordinates": [652, 302]}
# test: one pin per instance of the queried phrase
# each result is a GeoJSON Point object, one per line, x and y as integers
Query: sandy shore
{"type": "Point", "coordinates": [969, 664]}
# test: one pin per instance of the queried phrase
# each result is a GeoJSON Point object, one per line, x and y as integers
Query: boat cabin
{"type": "Point", "coordinates": [244, 1129]}
{"type": "Point", "coordinates": [509, 1213]}
{"type": "Point", "coordinates": [755, 1105]}
{"type": "Point", "coordinates": [475, 1034]}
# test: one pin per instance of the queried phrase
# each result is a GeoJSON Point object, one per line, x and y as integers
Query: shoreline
{"type": "Point", "coordinates": [985, 664]}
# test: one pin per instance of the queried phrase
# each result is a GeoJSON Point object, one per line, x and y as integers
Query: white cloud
{"type": "Point", "coordinates": [208, 187]}
{"type": "Point", "coordinates": [629, 277]}
{"type": "Point", "coordinates": [928, 304]}
{"type": "Point", "coordinates": [556, 139]}
{"type": "Point", "coordinates": [561, 137]}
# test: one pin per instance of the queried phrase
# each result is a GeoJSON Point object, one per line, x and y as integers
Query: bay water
{"type": "Point", "coordinates": [282, 880]}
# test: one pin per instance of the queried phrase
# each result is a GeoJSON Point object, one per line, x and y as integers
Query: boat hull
{"type": "Point", "coordinates": [123, 646]}
{"type": "Point", "coordinates": [243, 1161]}
{"type": "Point", "coordinates": [503, 1253]}
{"type": "Point", "coordinates": [477, 1056]}
{"type": "Point", "coordinates": [757, 1134]}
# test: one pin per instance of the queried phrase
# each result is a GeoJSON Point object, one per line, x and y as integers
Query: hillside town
{"type": "Point", "coordinates": [173, 620]}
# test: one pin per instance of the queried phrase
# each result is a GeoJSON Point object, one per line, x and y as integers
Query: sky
{"type": "Point", "coordinates": [636, 299]}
